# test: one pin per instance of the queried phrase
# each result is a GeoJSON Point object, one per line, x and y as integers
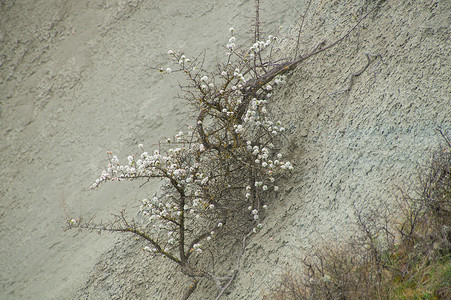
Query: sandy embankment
{"type": "Point", "coordinates": [354, 148]}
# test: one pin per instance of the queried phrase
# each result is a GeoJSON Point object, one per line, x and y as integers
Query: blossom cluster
{"type": "Point", "coordinates": [225, 94]}
{"type": "Point", "coordinates": [183, 190]}
{"type": "Point", "coordinates": [262, 45]}
{"type": "Point", "coordinates": [151, 165]}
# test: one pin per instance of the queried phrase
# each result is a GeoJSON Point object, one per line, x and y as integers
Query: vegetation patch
{"type": "Point", "coordinates": [402, 257]}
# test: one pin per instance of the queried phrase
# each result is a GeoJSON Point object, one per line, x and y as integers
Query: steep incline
{"type": "Point", "coordinates": [75, 81]}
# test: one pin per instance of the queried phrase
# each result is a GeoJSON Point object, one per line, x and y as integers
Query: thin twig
{"type": "Point", "coordinates": [444, 136]}
{"type": "Point", "coordinates": [237, 266]}
{"type": "Point", "coordinates": [300, 28]}
{"type": "Point", "coordinates": [354, 75]}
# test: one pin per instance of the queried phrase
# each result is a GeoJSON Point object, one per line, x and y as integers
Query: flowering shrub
{"type": "Point", "coordinates": [215, 176]}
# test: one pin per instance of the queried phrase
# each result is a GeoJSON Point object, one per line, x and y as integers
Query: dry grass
{"type": "Point", "coordinates": [391, 259]}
